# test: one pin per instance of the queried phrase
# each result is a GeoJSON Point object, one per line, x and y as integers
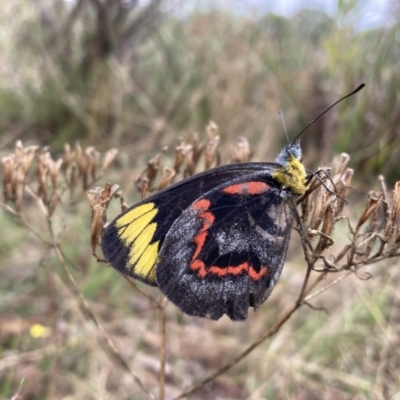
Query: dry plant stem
{"type": "Point", "coordinates": [25, 222]}
{"type": "Point", "coordinates": [109, 342]}
{"type": "Point", "coordinates": [335, 282]}
{"type": "Point", "coordinates": [270, 332]}
{"type": "Point", "coordinates": [386, 349]}
{"type": "Point", "coordinates": [83, 301]}
{"type": "Point", "coordinates": [161, 323]}
{"type": "Point", "coordinates": [152, 300]}
{"type": "Point", "coordinates": [29, 356]}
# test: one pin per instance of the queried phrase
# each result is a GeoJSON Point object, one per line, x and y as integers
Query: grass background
{"type": "Point", "coordinates": [139, 78]}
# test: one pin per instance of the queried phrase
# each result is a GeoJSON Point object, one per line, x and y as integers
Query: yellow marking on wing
{"type": "Point", "coordinates": [145, 265]}
{"type": "Point", "coordinates": [135, 213]}
{"type": "Point", "coordinates": [141, 243]}
{"type": "Point", "coordinates": [132, 224]}
{"type": "Point", "coordinates": [292, 175]}
{"type": "Point", "coordinates": [136, 230]}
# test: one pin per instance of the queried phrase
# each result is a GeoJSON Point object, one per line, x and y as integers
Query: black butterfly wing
{"type": "Point", "coordinates": [226, 251]}
{"type": "Point", "coordinates": [131, 242]}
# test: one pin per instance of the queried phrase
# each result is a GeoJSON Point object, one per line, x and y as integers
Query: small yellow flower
{"type": "Point", "coordinates": [39, 331]}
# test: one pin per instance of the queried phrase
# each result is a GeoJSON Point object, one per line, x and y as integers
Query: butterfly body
{"type": "Point", "coordinates": [214, 243]}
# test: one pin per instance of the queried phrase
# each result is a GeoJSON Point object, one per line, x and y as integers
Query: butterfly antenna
{"type": "Point", "coordinates": [283, 123]}
{"type": "Point", "coordinates": [333, 105]}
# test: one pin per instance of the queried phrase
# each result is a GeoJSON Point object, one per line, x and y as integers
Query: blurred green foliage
{"type": "Point", "coordinates": [99, 71]}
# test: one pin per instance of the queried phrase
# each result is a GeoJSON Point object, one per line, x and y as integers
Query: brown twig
{"type": "Point", "coordinates": [163, 334]}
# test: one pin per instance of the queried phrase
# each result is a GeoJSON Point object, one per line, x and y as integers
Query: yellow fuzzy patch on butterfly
{"type": "Point", "coordinates": [292, 175]}
{"type": "Point", "coordinates": [136, 230]}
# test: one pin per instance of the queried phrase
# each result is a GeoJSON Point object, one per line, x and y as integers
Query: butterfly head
{"type": "Point", "coordinates": [292, 174]}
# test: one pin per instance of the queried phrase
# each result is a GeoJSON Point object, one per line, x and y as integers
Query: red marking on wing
{"type": "Point", "coordinates": [208, 218]}
{"type": "Point", "coordinates": [201, 205]}
{"type": "Point", "coordinates": [247, 188]}
{"type": "Point", "coordinates": [197, 265]}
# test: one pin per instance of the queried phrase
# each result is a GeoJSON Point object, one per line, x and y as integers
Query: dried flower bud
{"type": "Point", "coordinates": [153, 166]}
{"type": "Point", "coordinates": [179, 149]}
{"type": "Point", "coordinates": [166, 178]}
{"type": "Point", "coordinates": [73, 177]}
{"type": "Point", "coordinates": [42, 173]}
{"type": "Point", "coordinates": [190, 166]}
{"type": "Point", "coordinates": [211, 144]}
{"type": "Point", "coordinates": [241, 151]}
{"type": "Point", "coordinates": [369, 209]}
{"type": "Point", "coordinates": [196, 148]}
{"type": "Point", "coordinates": [145, 188]}
{"type": "Point", "coordinates": [9, 165]}
{"type": "Point", "coordinates": [93, 158]}
{"type": "Point", "coordinates": [342, 163]}
{"type": "Point", "coordinates": [83, 165]}
{"type": "Point", "coordinates": [108, 159]}
{"type": "Point", "coordinates": [68, 156]}
{"type": "Point", "coordinates": [99, 217]}
{"type": "Point", "coordinates": [19, 150]}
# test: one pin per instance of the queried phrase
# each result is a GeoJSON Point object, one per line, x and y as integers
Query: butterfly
{"type": "Point", "coordinates": [214, 243]}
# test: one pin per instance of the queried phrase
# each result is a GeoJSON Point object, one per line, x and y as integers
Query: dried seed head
{"type": "Point", "coordinates": [99, 200]}
{"type": "Point", "coordinates": [197, 148]}
{"type": "Point", "coordinates": [83, 165]}
{"type": "Point", "coordinates": [211, 144]}
{"type": "Point", "coordinates": [179, 155]}
{"type": "Point", "coordinates": [321, 204]}
{"type": "Point", "coordinates": [306, 208]}
{"type": "Point", "coordinates": [342, 163]}
{"type": "Point", "coordinates": [153, 166]}
{"type": "Point", "coordinates": [108, 159]}
{"type": "Point", "coordinates": [93, 158]}
{"type": "Point", "coordinates": [68, 156]}
{"type": "Point", "coordinates": [9, 166]}
{"type": "Point", "coordinates": [166, 177]}
{"type": "Point", "coordinates": [18, 184]}
{"type": "Point", "coordinates": [369, 210]}
{"type": "Point", "coordinates": [42, 172]}
{"type": "Point", "coordinates": [342, 185]}
{"type": "Point", "coordinates": [392, 228]}
{"type": "Point", "coordinates": [184, 156]}
{"type": "Point", "coordinates": [73, 178]}
{"type": "Point", "coordinates": [188, 161]}
{"type": "Point", "coordinates": [47, 168]}
{"type": "Point", "coordinates": [16, 168]}
{"type": "Point", "coordinates": [145, 188]}
{"type": "Point", "coordinates": [241, 151]}
{"type": "Point", "coordinates": [97, 226]}
{"type": "Point", "coordinates": [124, 206]}
{"type": "Point", "coordinates": [29, 155]}
{"type": "Point", "coordinates": [54, 201]}
{"type": "Point", "coordinates": [19, 150]}
{"type": "Point", "coordinates": [396, 204]}
{"type": "Point", "coordinates": [54, 171]}
{"type": "Point", "coordinates": [99, 217]}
